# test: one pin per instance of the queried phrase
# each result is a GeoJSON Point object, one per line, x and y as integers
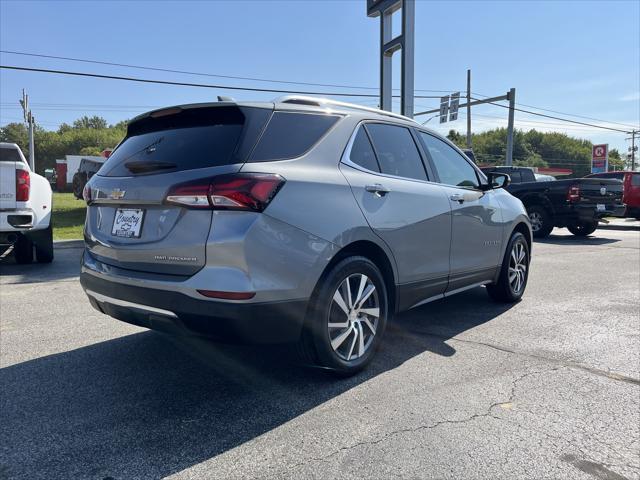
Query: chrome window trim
{"type": "Point", "coordinates": [346, 160]}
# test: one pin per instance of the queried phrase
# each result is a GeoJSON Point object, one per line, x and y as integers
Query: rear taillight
{"type": "Point", "coordinates": [573, 195]}
{"type": "Point", "coordinates": [241, 191]}
{"type": "Point", "coordinates": [86, 193]}
{"type": "Point", "coordinates": [23, 185]}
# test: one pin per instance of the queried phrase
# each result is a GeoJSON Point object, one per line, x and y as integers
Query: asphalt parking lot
{"type": "Point", "coordinates": [463, 387]}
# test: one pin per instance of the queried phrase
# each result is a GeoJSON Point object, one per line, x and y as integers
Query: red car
{"type": "Point", "coordinates": [631, 184]}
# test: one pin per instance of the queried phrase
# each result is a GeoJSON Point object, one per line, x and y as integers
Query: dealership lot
{"type": "Point", "coordinates": [462, 388]}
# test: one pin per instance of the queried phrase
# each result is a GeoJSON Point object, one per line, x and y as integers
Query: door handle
{"type": "Point", "coordinates": [457, 197]}
{"type": "Point", "coordinates": [377, 189]}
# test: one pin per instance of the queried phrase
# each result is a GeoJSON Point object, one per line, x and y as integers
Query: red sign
{"type": "Point", "coordinates": [599, 158]}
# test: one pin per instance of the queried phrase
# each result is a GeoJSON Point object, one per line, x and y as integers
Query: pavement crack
{"type": "Point", "coordinates": [487, 413]}
{"type": "Point", "coordinates": [578, 366]}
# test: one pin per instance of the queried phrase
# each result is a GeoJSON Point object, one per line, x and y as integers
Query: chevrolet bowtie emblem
{"type": "Point", "coordinates": [116, 194]}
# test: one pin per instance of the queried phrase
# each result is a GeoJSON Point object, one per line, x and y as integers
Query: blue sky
{"type": "Point", "coordinates": [575, 57]}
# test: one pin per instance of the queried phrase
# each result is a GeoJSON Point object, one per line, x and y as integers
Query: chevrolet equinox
{"type": "Point", "coordinates": [300, 220]}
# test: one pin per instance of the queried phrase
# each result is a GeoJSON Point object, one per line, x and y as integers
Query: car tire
{"type": "Point", "coordinates": [44, 246]}
{"type": "Point", "coordinates": [335, 323]}
{"type": "Point", "coordinates": [23, 250]}
{"type": "Point", "coordinates": [78, 182]}
{"type": "Point", "coordinates": [582, 229]}
{"type": "Point", "coordinates": [514, 272]}
{"type": "Point", "coordinates": [541, 221]}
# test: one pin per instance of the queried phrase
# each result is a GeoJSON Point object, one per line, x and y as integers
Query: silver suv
{"type": "Point", "coordinates": [301, 220]}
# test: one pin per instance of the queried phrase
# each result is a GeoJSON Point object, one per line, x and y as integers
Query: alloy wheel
{"type": "Point", "coordinates": [518, 267]}
{"type": "Point", "coordinates": [536, 221]}
{"type": "Point", "coordinates": [353, 317]}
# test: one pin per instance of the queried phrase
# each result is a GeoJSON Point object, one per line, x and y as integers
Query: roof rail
{"type": "Point", "coordinates": [320, 102]}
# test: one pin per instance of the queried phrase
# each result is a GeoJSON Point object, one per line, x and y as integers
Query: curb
{"type": "Point", "coordinates": [62, 244]}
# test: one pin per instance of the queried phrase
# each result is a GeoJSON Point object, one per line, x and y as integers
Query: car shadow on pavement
{"type": "Point", "coordinates": [593, 239]}
{"type": "Point", "coordinates": [149, 405]}
{"type": "Point", "coordinates": [65, 265]}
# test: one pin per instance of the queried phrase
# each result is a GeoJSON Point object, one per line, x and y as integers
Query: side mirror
{"type": "Point", "coordinates": [498, 180]}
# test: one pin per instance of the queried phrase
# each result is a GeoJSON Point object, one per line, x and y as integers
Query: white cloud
{"type": "Point", "coordinates": [632, 97]}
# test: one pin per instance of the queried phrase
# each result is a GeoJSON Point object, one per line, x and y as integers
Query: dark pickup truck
{"type": "Point", "coordinates": [577, 203]}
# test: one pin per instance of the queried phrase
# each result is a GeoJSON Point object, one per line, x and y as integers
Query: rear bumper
{"type": "Point", "coordinates": [175, 312]}
{"type": "Point", "coordinates": [587, 213]}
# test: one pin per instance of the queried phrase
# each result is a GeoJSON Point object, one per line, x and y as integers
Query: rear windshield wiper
{"type": "Point", "coordinates": [147, 166]}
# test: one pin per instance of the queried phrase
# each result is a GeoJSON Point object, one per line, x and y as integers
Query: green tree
{"type": "Point", "coordinates": [95, 122]}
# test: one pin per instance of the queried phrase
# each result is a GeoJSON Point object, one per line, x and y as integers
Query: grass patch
{"type": "Point", "coordinates": [68, 216]}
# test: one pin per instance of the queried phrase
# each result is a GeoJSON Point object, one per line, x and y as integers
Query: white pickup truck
{"type": "Point", "coordinates": [25, 208]}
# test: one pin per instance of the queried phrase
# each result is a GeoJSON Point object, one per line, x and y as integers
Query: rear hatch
{"type": "Point", "coordinates": [600, 191]}
{"type": "Point", "coordinates": [129, 223]}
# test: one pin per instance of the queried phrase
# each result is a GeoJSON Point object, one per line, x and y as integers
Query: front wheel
{"type": "Point", "coordinates": [347, 316]}
{"type": "Point", "coordinates": [514, 271]}
{"type": "Point", "coordinates": [582, 229]}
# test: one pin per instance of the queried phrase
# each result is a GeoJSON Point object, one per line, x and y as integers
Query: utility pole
{"type": "Point", "coordinates": [512, 106]}
{"type": "Point", "coordinates": [30, 120]}
{"type": "Point", "coordinates": [633, 149]}
{"type": "Point", "coordinates": [468, 108]}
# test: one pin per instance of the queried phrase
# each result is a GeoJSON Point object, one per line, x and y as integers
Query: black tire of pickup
{"type": "Point", "coordinates": [23, 250]}
{"type": "Point", "coordinates": [582, 229]}
{"type": "Point", "coordinates": [541, 220]}
{"type": "Point", "coordinates": [44, 246]}
{"type": "Point", "coordinates": [78, 183]}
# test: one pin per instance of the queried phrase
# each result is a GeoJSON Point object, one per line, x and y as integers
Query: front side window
{"type": "Point", "coordinates": [362, 152]}
{"type": "Point", "coordinates": [396, 151]}
{"type": "Point", "coordinates": [453, 169]}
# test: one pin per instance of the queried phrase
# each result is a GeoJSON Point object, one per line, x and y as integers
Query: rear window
{"type": "Point", "coordinates": [192, 138]}
{"type": "Point", "coordinates": [291, 135]}
{"type": "Point", "coordinates": [396, 151]}
{"type": "Point", "coordinates": [9, 155]}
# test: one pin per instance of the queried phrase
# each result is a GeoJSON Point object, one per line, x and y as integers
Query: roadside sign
{"type": "Point", "coordinates": [444, 108]}
{"type": "Point", "coordinates": [453, 106]}
{"type": "Point", "coordinates": [600, 158]}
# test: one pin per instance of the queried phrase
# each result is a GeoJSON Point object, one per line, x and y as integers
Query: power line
{"type": "Point", "coordinates": [564, 113]}
{"type": "Point", "coordinates": [560, 118]}
{"type": "Point", "coordinates": [189, 84]}
{"type": "Point", "coordinates": [186, 72]}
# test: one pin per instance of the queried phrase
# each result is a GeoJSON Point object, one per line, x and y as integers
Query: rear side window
{"type": "Point", "coordinates": [635, 179]}
{"type": "Point", "coordinates": [362, 152]}
{"type": "Point", "coordinates": [516, 177]}
{"type": "Point", "coordinates": [192, 138]}
{"type": "Point", "coordinates": [290, 135]}
{"type": "Point", "coordinates": [396, 151]}
{"type": "Point", "coordinates": [9, 155]}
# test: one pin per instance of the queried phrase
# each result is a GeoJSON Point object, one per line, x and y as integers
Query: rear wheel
{"type": "Point", "coordinates": [582, 229]}
{"type": "Point", "coordinates": [44, 246]}
{"type": "Point", "coordinates": [541, 221]}
{"type": "Point", "coordinates": [23, 250]}
{"type": "Point", "coordinates": [347, 317]}
{"type": "Point", "coordinates": [514, 271]}
{"type": "Point", "coordinates": [78, 183]}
